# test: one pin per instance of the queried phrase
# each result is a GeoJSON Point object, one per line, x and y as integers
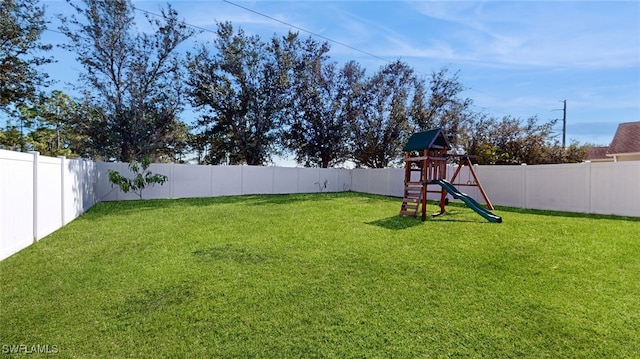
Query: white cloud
{"type": "Point", "coordinates": [579, 34]}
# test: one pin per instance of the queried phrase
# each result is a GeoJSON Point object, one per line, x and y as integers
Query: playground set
{"type": "Point", "coordinates": [430, 168]}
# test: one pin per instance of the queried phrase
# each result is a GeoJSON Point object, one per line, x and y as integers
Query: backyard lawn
{"type": "Point", "coordinates": [323, 275]}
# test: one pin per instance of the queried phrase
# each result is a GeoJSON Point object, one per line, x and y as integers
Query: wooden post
{"type": "Point", "coordinates": [464, 160]}
{"type": "Point", "coordinates": [423, 178]}
{"type": "Point", "coordinates": [457, 172]}
{"type": "Point", "coordinates": [484, 195]}
{"type": "Point", "coordinates": [442, 175]}
{"type": "Point", "coordinates": [407, 169]}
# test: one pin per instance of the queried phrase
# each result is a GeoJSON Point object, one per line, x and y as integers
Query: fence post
{"type": "Point", "coordinates": [35, 194]}
{"type": "Point", "coordinates": [298, 170]}
{"type": "Point", "coordinates": [171, 181]}
{"type": "Point", "coordinates": [589, 189]}
{"type": "Point", "coordinates": [62, 189]}
{"type": "Point", "coordinates": [524, 184]}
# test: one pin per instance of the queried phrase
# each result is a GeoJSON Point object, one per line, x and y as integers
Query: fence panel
{"type": "Point", "coordinates": [226, 180]}
{"type": "Point", "coordinates": [504, 185]}
{"type": "Point", "coordinates": [156, 191]}
{"type": "Point", "coordinates": [309, 180]}
{"type": "Point", "coordinates": [615, 188]}
{"type": "Point", "coordinates": [195, 181]}
{"type": "Point", "coordinates": [106, 191]}
{"type": "Point", "coordinates": [360, 180]}
{"type": "Point", "coordinates": [49, 195]}
{"type": "Point", "coordinates": [331, 180]}
{"type": "Point", "coordinates": [339, 179]}
{"type": "Point", "coordinates": [343, 180]}
{"type": "Point", "coordinates": [257, 180]}
{"type": "Point", "coordinates": [78, 186]}
{"type": "Point", "coordinates": [558, 187]}
{"type": "Point", "coordinates": [285, 180]}
{"type": "Point", "coordinates": [16, 202]}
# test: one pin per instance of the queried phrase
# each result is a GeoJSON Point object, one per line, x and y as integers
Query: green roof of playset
{"type": "Point", "coordinates": [432, 139]}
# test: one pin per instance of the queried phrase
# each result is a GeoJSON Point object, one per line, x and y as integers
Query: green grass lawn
{"type": "Point", "coordinates": [324, 275]}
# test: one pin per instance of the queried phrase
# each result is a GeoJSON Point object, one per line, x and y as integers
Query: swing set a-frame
{"type": "Point", "coordinates": [426, 157]}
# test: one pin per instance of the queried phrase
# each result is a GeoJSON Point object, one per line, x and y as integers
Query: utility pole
{"type": "Point", "coordinates": [564, 122]}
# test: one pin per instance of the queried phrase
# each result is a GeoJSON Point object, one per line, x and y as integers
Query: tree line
{"type": "Point", "coordinates": [254, 98]}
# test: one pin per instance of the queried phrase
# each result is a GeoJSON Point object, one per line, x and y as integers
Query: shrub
{"type": "Point", "coordinates": [142, 177]}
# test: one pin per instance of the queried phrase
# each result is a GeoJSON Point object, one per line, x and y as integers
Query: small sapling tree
{"type": "Point", "coordinates": [142, 177]}
{"type": "Point", "coordinates": [322, 186]}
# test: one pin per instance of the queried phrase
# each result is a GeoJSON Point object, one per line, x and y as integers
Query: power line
{"type": "Point", "coordinates": [307, 31]}
{"type": "Point", "coordinates": [310, 33]}
{"type": "Point", "coordinates": [183, 22]}
{"type": "Point", "coordinates": [54, 31]}
{"type": "Point", "coordinates": [276, 20]}
{"type": "Point", "coordinates": [337, 42]}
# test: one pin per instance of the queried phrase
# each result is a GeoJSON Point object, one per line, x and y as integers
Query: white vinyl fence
{"type": "Point", "coordinates": [212, 181]}
{"type": "Point", "coordinates": [602, 188]}
{"type": "Point", "coordinates": [40, 194]}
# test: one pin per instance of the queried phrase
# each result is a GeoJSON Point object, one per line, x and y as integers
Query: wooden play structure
{"type": "Point", "coordinates": [426, 157]}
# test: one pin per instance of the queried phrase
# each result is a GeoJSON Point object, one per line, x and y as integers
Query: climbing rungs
{"type": "Point", "coordinates": [413, 189]}
{"type": "Point", "coordinates": [408, 213]}
{"type": "Point", "coordinates": [413, 193]}
{"type": "Point", "coordinates": [410, 205]}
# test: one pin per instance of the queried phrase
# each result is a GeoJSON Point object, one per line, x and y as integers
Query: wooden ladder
{"type": "Point", "coordinates": [413, 192]}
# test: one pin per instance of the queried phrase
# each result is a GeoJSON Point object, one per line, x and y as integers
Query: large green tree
{"type": "Point", "coordinates": [12, 138]}
{"type": "Point", "coordinates": [55, 133]}
{"type": "Point", "coordinates": [239, 86]}
{"type": "Point", "coordinates": [513, 141]}
{"type": "Point", "coordinates": [318, 130]}
{"type": "Point", "coordinates": [21, 55]}
{"type": "Point", "coordinates": [438, 103]}
{"type": "Point", "coordinates": [381, 128]}
{"type": "Point", "coordinates": [134, 77]}
{"type": "Point", "coordinates": [21, 25]}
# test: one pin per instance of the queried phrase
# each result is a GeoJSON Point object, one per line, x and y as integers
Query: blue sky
{"type": "Point", "coordinates": [518, 58]}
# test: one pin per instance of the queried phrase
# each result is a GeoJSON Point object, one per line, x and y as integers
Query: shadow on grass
{"type": "Point", "coordinates": [288, 199]}
{"type": "Point", "coordinates": [396, 222]}
{"type": "Point", "coordinates": [125, 208]}
{"type": "Point", "coordinates": [542, 212]}
{"type": "Point", "coordinates": [454, 219]}
{"type": "Point", "coordinates": [227, 252]}
{"type": "Point", "coordinates": [400, 222]}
